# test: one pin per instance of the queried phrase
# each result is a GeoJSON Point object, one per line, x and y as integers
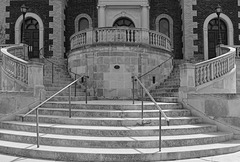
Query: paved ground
{"type": "Point", "coordinates": [234, 157]}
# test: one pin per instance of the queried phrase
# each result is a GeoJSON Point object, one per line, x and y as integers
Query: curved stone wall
{"type": "Point", "coordinates": [110, 68]}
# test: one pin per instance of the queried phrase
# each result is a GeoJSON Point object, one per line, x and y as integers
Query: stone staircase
{"type": "Point", "coordinates": [169, 88]}
{"type": "Point", "coordinates": [113, 131]}
{"type": "Point", "coordinates": [61, 78]}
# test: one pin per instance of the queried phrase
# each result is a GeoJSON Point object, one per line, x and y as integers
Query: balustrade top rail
{"type": "Point", "coordinates": [14, 66]}
{"type": "Point", "coordinates": [209, 70]}
{"type": "Point", "coordinates": [124, 35]}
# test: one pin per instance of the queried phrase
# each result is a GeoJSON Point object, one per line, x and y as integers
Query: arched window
{"type": "Point", "coordinates": [83, 24]}
{"type": "Point", "coordinates": [82, 21]}
{"type": "Point", "coordinates": [164, 26]}
{"type": "Point", "coordinates": [123, 22]}
{"type": "Point", "coordinates": [31, 23]}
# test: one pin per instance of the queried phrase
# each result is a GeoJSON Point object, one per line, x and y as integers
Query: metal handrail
{"type": "Point", "coordinates": [134, 78]}
{"type": "Point", "coordinates": [36, 107]}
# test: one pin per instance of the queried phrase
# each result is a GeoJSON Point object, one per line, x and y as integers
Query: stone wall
{"type": "Point", "coordinates": [3, 25]}
{"type": "Point", "coordinates": [111, 67]}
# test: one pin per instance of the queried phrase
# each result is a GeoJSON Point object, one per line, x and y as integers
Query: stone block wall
{"type": "Point", "coordinates": [3, 24]}
{"type": "Point", "coordinates": [110, 68]}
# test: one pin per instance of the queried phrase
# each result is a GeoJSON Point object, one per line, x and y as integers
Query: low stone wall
{"type": "Point", "coordinates": [220, 109]}
{"type": "Point", "coordinates": [110, 68]}
{"type": "Point", "coordinates": [16, 102]}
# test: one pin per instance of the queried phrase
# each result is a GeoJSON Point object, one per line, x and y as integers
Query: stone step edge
{"type": "Point", "coordinates": [101, 154]}
{"type": "Point", "coordinates": [118, 139]}
{"type": "Point", "coordinates": [67, 126]}
{"type": "Point", "coordinates": [111, 119]}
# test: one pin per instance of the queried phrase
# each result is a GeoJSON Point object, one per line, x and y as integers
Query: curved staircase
{"type": "Point", "coordinates": [113, 131]}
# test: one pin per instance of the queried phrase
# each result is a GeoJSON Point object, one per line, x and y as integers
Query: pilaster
{"type": "Point", "coordinates": [188, 25]}
{"type": "Point", "coordinates": [3, 25]}
{"type": "Point", "coordinates": [58, 28]}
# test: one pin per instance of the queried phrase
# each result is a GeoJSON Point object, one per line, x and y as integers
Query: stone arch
{"type": "Point", "coordinates": [82, 15]}
{"type": "Point", "coordinates": [229, 24]}
{"type": "Point", "coordinates": [169, 18]}
{"type": "Point", "coordinates": [18, 28]}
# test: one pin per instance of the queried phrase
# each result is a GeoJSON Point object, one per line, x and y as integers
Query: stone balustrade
{"type": "Point", "coordinates": [123, 35]}
{"type": "Point", "coordinates": [18, 74]}
{"type": "Point", "coordinates": [209, 70]}
{"type": "Point", "coordinates": [217, 75]}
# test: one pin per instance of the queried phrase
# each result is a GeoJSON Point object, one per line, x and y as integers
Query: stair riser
{"type": "Point", "coordinates": [49, 93]}
{"type": "Point", "coordinates": [110, 122]}
{"type": "Point", "coordinates": [112, 107]}
{"type": "Point", "coordinates": [113, 114]}
{"type": "Point", "coordinates": [113, 144]}
{"type": "Point", "coordinates": [64, 156]}
{"type": "Point", "coordinates": [66, 98]}
{"type": "Point", "coordinates": [108, 133]}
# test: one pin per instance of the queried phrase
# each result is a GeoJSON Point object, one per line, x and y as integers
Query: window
{"type": "Point", "coordinates": [82, 21]}
{"type": "Point", "coordinates": [83, 24]}
{"type": "Point", "coordinates": [164, 26]}
{"type": "Point", "coordinates": [123, 22]}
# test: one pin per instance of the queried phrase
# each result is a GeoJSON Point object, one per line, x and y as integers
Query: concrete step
{"type": "Point", "coordinates": [65, 93]}
{"type": "Point", "coordinates": [114, 142]}
{"type": "Point", "coordinates": [108, 131]}
{"type": "Point", "coordinates": [118, 154]}
{"type": "Point", "coordinates": [73, 98]}
{"type": "Point", "coordinates": [148, 105]}
{"type": "Point", "coordinates": [112, 113]}
{"type": "Point", "coordinates": [99, 121]}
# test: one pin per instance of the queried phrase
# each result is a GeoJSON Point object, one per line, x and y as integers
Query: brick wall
{"type": "Point", "coordinates": [74, 8]}
{"type": "Point", "coordinates": [41, 8]}
{"type": "Point", "coordinates": [173, 9]}
{"type": "Point", "coordinates": [206, 7]}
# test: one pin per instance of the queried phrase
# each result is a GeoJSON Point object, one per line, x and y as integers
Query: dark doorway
{"type": "Point", "coordinates": [32, 37]}
{"type": "Point", "coordinates": [213, 36]}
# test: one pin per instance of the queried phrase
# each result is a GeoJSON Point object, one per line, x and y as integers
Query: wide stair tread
{"type": "Point", "coordinates": [108, 154]}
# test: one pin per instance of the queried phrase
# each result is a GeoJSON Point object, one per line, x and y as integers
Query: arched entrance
{"type": "Point", "coordinates": [229, 27]}
{"type": "Point", "coordinates": [39, 23]}
{"type": "Point", "coordinates": [124, 22]}
{"type": "Point", "coordinates": [32, 37]}
{"type": "Point", "coordinates": [213, 36]}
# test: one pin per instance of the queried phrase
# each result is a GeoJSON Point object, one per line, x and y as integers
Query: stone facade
{"type": "Point", "coordinates": [110, 68]}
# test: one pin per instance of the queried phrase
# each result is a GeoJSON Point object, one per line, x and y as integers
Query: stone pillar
{"type": "Point", "coordinates": [58, 29]}
{"type": "Point", "coordinates": [188, 25]}
{"type": "Point", "coordinates": [101, 16]}
{"type": "Point", "coordinates": [145, 17]}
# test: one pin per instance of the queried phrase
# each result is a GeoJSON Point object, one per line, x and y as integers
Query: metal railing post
{"type": "Point", "coordinates": [37, 127]}
{"type": "Point", "coordinates": [142, 103]}
{"type": "Point", "coordinates": [133, 79]}
{"type": "Point", "coordinates": [160, 130]}
{"type": "Point", "coordinates": [86, 77]}
{"type": "Point", "coordinates": [70, 102]}
{"type": "Point", "coordinates": [75, 86]}
{"type": "Point", "coordinates": [52, 72]}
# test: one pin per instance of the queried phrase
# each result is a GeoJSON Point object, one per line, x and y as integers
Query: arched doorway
{"type": "Point", "coordinates": [18, 29]}
{"type": "Point", "coordinates": [213, 36]}
{"type": "Point", "coordinates": [32, 37]}
{"type": "Point", "coordinates": [124, 22]}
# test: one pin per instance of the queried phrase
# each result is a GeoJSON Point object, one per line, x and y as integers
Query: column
{"type": "Point", "coordinates": [145, 17]}
{"type": "Point", "coordinates": [101, 16]}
